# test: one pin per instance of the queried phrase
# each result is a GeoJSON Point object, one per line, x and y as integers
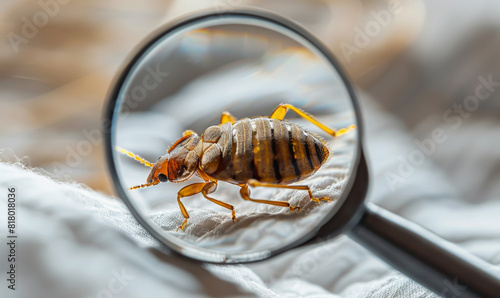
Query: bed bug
{"type": "Point", "coordinates": [260, 151]}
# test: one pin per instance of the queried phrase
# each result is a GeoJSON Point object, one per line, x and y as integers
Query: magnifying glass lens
{"type": "Point", "coordinates": [186, 78]}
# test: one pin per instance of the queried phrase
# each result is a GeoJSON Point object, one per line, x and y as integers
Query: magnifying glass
{"type": "Point", "coordinates": [236, 136]}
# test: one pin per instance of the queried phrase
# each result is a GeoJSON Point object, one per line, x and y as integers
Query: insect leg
{"type": "Point", "coordinates": [227, 117]}
{"type": "Point", "coordinates": [280, 112]}
{"type": "Point", "coordinates": [245, 193]}
{"type": "Point", "coordinates": [187, 191]}
{"type": "Point", "coordinates": [211, 187]}
{"type": "Point", "coordinates": [188, 132]}
{"type": "Point", "coordinates": [254, 183]}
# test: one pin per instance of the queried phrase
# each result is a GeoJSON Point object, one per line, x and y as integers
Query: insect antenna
{"type": "Point", "coordinates": [134, 156]}
{"type": "Point", "coordinates": [143, 185]}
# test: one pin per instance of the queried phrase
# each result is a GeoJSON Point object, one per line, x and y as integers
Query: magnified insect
{"type": "Point", "coordinates": [260, 151]}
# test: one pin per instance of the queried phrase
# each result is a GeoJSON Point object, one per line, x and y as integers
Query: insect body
{"type": "Point", "coordinates": [263, 149]}
{"type": "Point", "coordinates": [266, 152]}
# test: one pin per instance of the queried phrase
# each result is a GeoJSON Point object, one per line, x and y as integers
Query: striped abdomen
{"type": "Point", "coordinates": [264, 149]}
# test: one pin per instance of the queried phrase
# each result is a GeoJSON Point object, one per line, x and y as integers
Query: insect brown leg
{"type": "Point", "coordinates": [187, 191]}
{"type": "Point", "coordinates": [280, 112]}
{"type": "Point", "coordinates": [254, 183]}
{"type": "Point", "coordinates": [209, 188]}
{"type": "Point", "coordinates": [245, 193]}
{"type": "Point", "coordinates": [227, 117]}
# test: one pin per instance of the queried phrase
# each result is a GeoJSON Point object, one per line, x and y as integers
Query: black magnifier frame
{"type": "Point", "coordinates": [409, 248]}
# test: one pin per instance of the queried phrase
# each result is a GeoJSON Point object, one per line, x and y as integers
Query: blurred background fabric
{"type": "Point", "coordinates": [413, 75]}
{"type": "Point", "coordinates": [55, 81]}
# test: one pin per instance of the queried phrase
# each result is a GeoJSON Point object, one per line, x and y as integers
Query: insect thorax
{"type": "Point", "coordinates": [183, 159]}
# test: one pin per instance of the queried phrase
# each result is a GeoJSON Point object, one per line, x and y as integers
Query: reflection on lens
{"type": "Point", "coordinates": [245, 66]}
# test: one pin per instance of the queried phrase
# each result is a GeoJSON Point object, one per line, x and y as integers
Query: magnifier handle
{"type": "Point", "coordinates": [439, 265]}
